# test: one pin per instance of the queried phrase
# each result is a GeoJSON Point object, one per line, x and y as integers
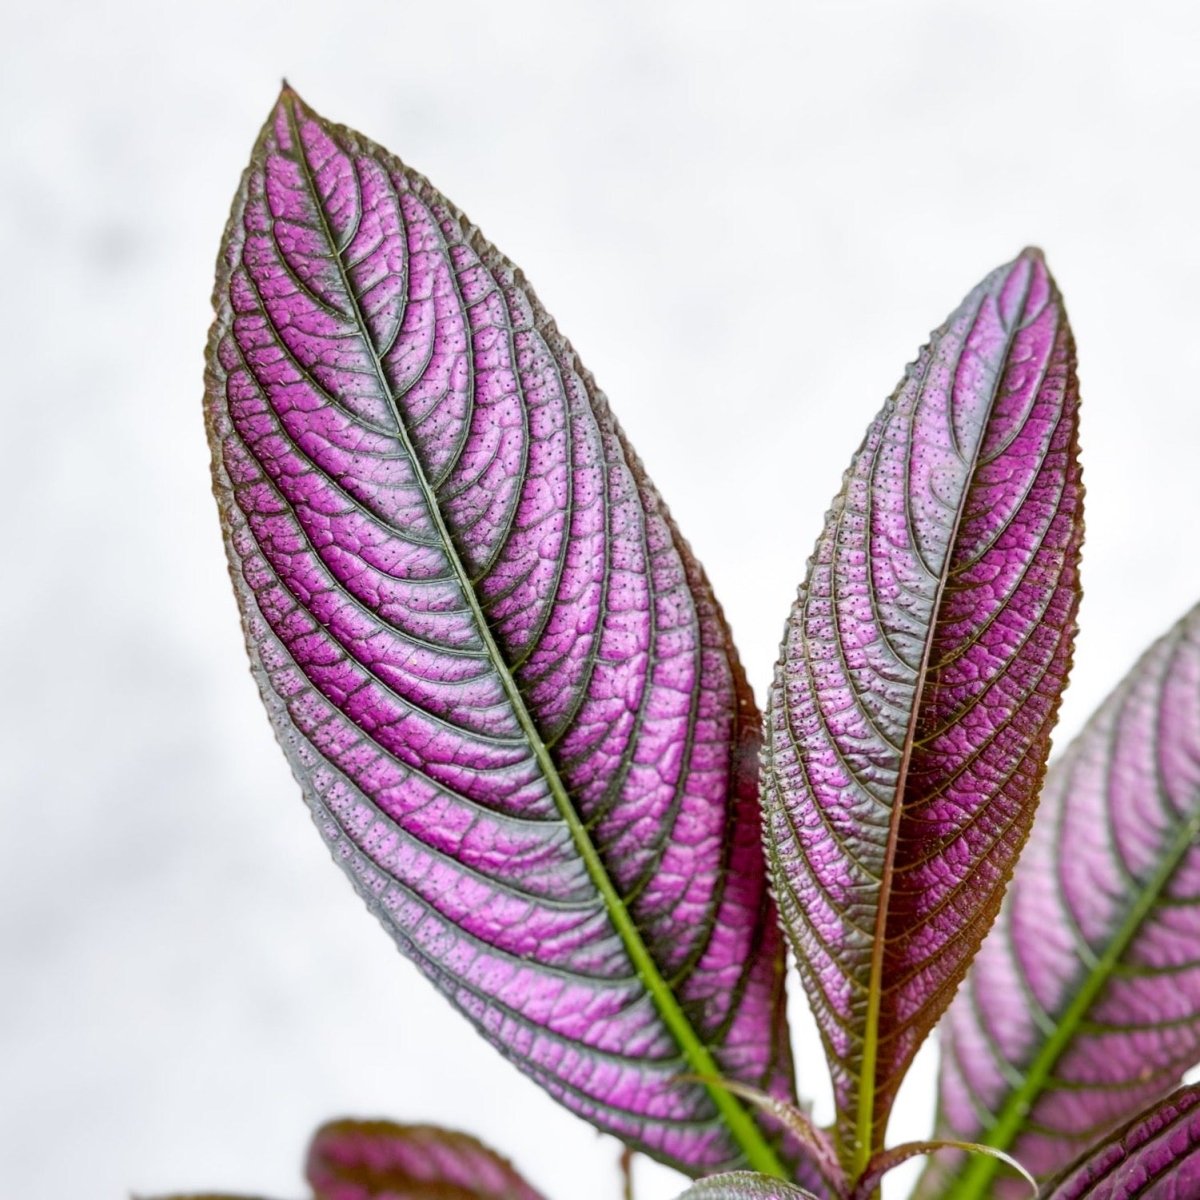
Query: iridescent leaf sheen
{"type": "Point", "coordinates": [500, 676]}
{"type": "Point", "coordinates": [910, 716]}
{"type": "Point", "coordinates": [380, 1160]}
{"type": "Point", "coordinates": [1156, 1156]}
{"type": "Point", "coordinates": [1084, 1003]}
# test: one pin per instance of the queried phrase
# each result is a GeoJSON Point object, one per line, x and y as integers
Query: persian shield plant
{"type": "Point", "coordinates": [518, 718]}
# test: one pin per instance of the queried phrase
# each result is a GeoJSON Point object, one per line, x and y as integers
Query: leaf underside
{"type": "Point", "coordinates": [910, 717]}
{"type": "Point", "coordinates": [1083, 1004]}
{"type": "Point", "coordinates": [371, 1160]}
{"type": "Point", "coordinates": [1156, 1156]}
{"type": "Point", "coordinates": [498, 673]}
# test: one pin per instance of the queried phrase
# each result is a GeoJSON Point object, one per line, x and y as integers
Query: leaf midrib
{"type": "Point", "coordinates": [759, 1154]}
{"type": "Point", "coordinates": [973, 1183]}
{"type": "Point", "coordinates": [864, 1134]}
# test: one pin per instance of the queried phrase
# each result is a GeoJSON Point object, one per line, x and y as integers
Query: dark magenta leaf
{"type": "Point", "coordinates": [910, 716]}
{"type": "Point", "coordinates": [380, 1160]}
{"type": "Point", "coordinates": [1156, 1156]}
{"type": "Point", "coordinates": [1084, 1003]}
{"type": "Point", "coordinates": [744, 1185]}
{"type": "Point", "coordinates": [498, 672]}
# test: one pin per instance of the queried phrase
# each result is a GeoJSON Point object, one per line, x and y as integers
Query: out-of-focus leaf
{"type": "Point", "coordinates": [1156, 1156]}
{"type": "Point", "coordinates": [744, 1185]}
{"type": "Point", "coordinates": [910, 716]}
{"type": "Point", "coordinates": [380, 1160]}
{"type": "Point", "coordinates": [1084, 1003]}
{"type": "Point", "coordinates": [500, 676]}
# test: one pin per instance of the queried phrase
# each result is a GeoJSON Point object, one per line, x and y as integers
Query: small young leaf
{"type": "Point", "coordinates": [1084, 1003]}
{"type": "Point", "coordinates": [1156, 1156]}
{"type": "Point", "coordinates": [817, 1145]}
{"type": "Point", "coordinates": [499, 675]}
{"type": "Point", "coordinates": [887, 1160]}
{"type": "Point", "coordinates": [379, 1160]}
{"type": "Point", "coordinates": [744, 1185]}
{"type": "Point", "coordinates": [910, 716]}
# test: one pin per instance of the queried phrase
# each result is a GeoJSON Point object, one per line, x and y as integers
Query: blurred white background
{"type": "Point", "coordinates": [746, 216]}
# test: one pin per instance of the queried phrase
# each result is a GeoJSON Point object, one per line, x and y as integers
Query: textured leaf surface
{"type": "Point", "coordinates": [910, 717]}
{"type": "Point", "coordinates": [744, 1185]}
{"type": "Point", "coordinates": [1084, 1003]}
{"type": "Point", "coordinates": [497, 670]}
{"type": "Point", "coordinates": [1154, 1157]}
{"type": "Point", "coordinates": [380, 1160]}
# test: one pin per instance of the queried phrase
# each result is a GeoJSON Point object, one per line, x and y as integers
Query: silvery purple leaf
{"type": "Point", "coordinates": [499, 674]}
{"type": "Point", "coordinates": [380, 1160]}
{"type": "Point", "coordinates": [744, 1185]}
{"type": "Point", "coordinates": [910, 716]}
{"type": "Point", "coordinates": [1084, 1003]}
{"type": "Point", "coordinates": [1156, 1156]}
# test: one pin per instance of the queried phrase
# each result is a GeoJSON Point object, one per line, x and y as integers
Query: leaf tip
{"type": "Point", "coordinates": [289, 99]}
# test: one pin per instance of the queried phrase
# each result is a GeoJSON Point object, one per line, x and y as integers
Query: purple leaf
{"type": "Point", "coordinates": [1154, 1157]}
{"type": "Point", "coordinates": [744, 1185]}
{"type": "Point", "coordinates": [379, 1160]}
{"type": "Point", "coordinates": [1084, 1003]}
{"type": "Point", "coordinates": [910, 717]}
{"type": "Point", "coordinates": [500, 676]}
